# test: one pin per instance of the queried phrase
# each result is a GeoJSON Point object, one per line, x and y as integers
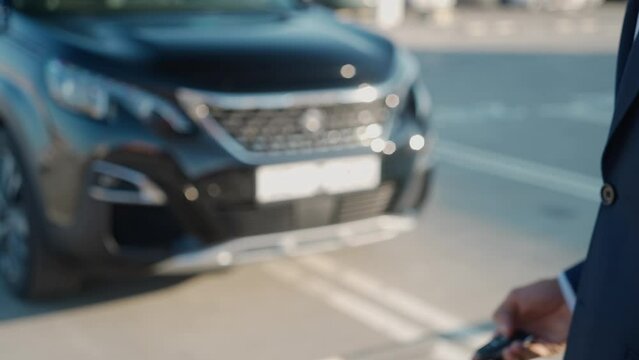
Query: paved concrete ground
{"type": "Point", "coordinates": [523, 102]}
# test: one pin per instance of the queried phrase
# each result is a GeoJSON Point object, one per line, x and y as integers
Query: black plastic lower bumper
{"type": "Point", "coordinates": [220, 208]}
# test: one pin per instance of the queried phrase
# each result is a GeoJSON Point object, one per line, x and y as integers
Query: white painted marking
{"type": "Point", "coordinates": [524, 171]}
{"type": "Point", "coordinates": [444, 18]}
{"type": "Point", "coordinates": [402, 303]}
{"type": "Point", "coordinates": [589, 26]}
{"type": "Point", "coordinates": [366, 312]}
{"type": "Point", "coordinates": [445, 350]}
{"type": "Point", "coordinates": [395, 299]}
{"type": "Point", "coordinates": [505, 27]}
{"type": "Point", "coordinates": [483, 112]}
{"type": "Point", "coordinates": [595, 109]}
{"type": "Point", "coordinates": [477, 28]}
{"type": "Point", "coordinates": [565, 26]}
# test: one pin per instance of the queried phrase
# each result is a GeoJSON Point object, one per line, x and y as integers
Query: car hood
{"type": "Point", "coordinates": [249, 52]}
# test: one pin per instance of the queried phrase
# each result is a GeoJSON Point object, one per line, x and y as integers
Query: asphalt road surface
{"type": "Point", "coordinates": [523, 102]}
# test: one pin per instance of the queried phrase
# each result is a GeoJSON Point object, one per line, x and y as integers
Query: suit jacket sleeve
{"type": "Point", "coordinates": [574, 275]}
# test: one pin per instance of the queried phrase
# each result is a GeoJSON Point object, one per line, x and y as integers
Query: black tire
{"type": "Point", "coordinates": [27, 266]}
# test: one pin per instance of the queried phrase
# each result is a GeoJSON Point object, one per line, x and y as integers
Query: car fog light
{"type": "Point", "coordinates": [191, 193]}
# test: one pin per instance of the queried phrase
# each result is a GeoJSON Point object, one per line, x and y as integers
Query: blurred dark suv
{"type": "Point", "coordinates": [165, 137]}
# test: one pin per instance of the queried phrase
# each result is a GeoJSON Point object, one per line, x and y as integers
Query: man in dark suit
{"type": "Point", "coordinates": [594, 306]}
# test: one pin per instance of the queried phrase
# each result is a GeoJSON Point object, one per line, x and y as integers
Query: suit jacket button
{"type": "Point", "coordinates": [608, 195]}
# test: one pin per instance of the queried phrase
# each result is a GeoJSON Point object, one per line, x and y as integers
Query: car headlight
{"type": "Point", "coordinates": [95, 96]}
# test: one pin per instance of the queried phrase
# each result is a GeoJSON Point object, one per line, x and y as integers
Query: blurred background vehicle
{"type": "Point", "coordinates": [390, 13]}
{"type": "Point", "coordinates": [430, 6]}
{"type": "Point", "coordinates": [556, 5]}
{"type": "Point", "coordinates": [348, 4]}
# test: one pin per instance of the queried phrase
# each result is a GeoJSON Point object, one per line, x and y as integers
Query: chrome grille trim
{"type": "Point", "coordinates": [304, 129]}
{"type": "Point", "coordinates": [404, 75]}
{"type": "Point", "coordinates": [294, 243]}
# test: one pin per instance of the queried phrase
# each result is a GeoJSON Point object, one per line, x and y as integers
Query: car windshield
{"type": "Point", "coordinates": [98, 6]}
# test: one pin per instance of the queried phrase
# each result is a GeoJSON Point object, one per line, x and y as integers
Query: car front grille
{"type": "Point", "coordinates": [237, 219]}
{"type": "Point", "coordinates": [305, 128]}
{"type": "Point", "coordinates": [365, 204]}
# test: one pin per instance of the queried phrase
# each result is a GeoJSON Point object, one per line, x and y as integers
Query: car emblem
{"type": "Point", "coordinates": [313, 120]}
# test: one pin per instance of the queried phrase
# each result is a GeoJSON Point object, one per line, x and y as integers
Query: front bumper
{"type": "Point", "coordinates": [126, 197]}
{"type": "Point", "coordinates": [291, 243]}
{"type": "Point", "coordinates": [164, 222]}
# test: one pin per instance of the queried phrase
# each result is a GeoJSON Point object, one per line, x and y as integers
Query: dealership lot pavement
{"type": "Point", "coordinates": [522, 104]}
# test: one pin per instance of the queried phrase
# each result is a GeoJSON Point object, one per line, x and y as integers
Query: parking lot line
{"type": "Point", "coordinates": [520, 170]}
{"type": "Point", "coordinates": [446, 350]}
{"type": "Point", "coordinates": [397, 300]}
{"type": "Point", "coordinates": [368, 313]}
{"type": "Point", "coordinates": [437, 322]}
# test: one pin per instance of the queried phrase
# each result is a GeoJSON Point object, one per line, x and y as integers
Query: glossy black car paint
{"type": "Point", "coordinates": [300, 49]}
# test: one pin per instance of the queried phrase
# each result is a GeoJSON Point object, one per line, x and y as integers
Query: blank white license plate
{"type": "Point", "coordinates": [306, 179]}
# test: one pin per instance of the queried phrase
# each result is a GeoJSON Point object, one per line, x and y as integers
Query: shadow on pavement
{"type": "Point", "coordinates": [12, 308]}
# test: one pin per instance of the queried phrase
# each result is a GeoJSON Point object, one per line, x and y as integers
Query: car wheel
{"type": "Point", "coordinates": [26, 265]}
